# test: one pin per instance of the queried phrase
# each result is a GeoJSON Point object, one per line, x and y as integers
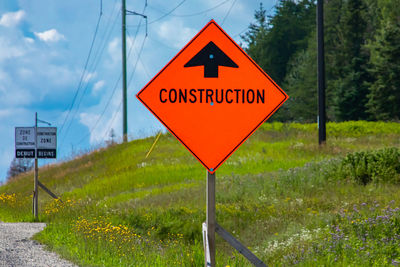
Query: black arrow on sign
{"type": "Point", "coordinates": [211, 57]}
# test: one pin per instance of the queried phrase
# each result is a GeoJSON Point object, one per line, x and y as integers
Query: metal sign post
{"type": "Point", "coordinates": [211, 221]}
{"type": "Point", "coordinates": [211, 227]}
{"type": "Point", "coordinates": [212, 81]}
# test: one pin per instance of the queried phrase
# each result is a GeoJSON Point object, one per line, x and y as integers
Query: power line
{"type": "Point", "coordinates": [242, 31]}
{"type": "Point", "coordinates": [137, 60]}
{"type": "Point", "coordinates": [168, 13]}
{"type": "Point", "coordinates": [163, 16]}
{"type": "Point", "coordinates": [102, 113]}
{"type": "Point", "coordinates": [137, 31]}
{"type": "Point", "coordinates": [93, 67]}
{"type": "Point", "coordinates": [145, 68]}
{"type": "Point", "coordinates": [130, 79]}
{"type": "Point", "coordinates": [268, 12]}
{"type": "Point", "coordinates": [229, 11]}
{"type": "Point", "coordinates": [83, 72]}
{"type": "Point", "coordinates": [107, 104]}
{"type": "Point", "coordinates": [196, 13]}
{"type": "Point", "coordinates": [107, 35]}
{"type": "Point", "coordinates": [115, 87]}
{"type": "Point", "coordinates": [163, 44]}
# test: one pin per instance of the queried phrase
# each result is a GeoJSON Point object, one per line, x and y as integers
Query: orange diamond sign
{"type": "Point", "coordinates": [212, 96]}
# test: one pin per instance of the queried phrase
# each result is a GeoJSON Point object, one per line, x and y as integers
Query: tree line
{"type": "Point", "coordinates": [362, 57]}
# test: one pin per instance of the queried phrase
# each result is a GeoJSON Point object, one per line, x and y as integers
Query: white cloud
{"type": "Point", "coordinates": [88, 119]}
{"type": "Point", "coordinates": [50, 36]}
{"type": "Point", "coordinates": [3, 76]}
{"type": "Point", "coordinates": [97, 86]}
{"type": "Point", "coordinates": [5, 160]}
{"type": "Point", "coordinates": [16, 97]}
{"type": "Point", "coordinates": [89, 76]}
{"type": "Point", "coordinates": [111, 119]}
{"type": "Point", "coordinates": [5, 113]}
{"type": "Point", "coordinates": [101, 132]}
{"type": "Point", "coordinates": [114, 50]}
{"type": "Point", "coordinates": [175, 33]}
{"type": "Point", "coordinates": [57, 76]}
{"type": "Point", "coordinates": [11, 94]}
{"type": "Point", "coordinates": [29, 40]}
{"type": "Point", "coordinates": [131, 41]}
{"type": "Point", "coordinates": [10, 49]}
{"type": "Point", "coordinates": [12, 19]}
{"type": "Point", "coordinates": [25, 73]}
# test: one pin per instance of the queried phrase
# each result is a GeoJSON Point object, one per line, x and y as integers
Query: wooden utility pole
{"type": "Point", "coordinates": [321, 74]}
{"type": "Point", "coordinates": [124, 93]}
{"type": "Point", "coordinates": [36, 188]}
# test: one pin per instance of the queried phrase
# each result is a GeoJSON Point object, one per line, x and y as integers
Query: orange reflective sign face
{"type": "Point", "coordinates": [212, 96]}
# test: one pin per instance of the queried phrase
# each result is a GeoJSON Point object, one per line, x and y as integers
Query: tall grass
{"type": "Point", "coordinates": [279, 194]}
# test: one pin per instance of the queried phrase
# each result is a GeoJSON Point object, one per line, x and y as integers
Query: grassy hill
{"type": "Point", "coordinates": [282, 195]}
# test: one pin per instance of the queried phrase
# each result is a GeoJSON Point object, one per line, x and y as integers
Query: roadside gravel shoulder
{"type": "Point", "coordinates": [17, 248]}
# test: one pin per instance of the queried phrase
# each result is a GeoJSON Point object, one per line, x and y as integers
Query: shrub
{"type": "Point", "coordinates": [372, 166]}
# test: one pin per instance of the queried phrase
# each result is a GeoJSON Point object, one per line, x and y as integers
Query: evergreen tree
{"type": "Point", "coordinates": [301, 85]}
{"type": "Point", "coordinates": [112, 136]}
{"type": "Point", "coordinates": [350, 63]}
{"type": "Point", "coordinates": [301, 79]}
{"type": "Point", "coordinates": [384, 96]}
{"type": "Point", "coordinates": [332, 18]}
{"type": "Point", "coordinates": [256, 35]}
{"type": "Point", "coordinates": [273, 40]}
{"type": "Point", "coordinates": [361, 53]}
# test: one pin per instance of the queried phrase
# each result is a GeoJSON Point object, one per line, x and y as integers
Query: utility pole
{"type": "Point", "coordinates": [124, 94]}
{"type": "Point", "coordinates": [321, 74]}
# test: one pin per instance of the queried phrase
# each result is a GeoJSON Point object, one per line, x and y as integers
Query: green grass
{"type": "Point", "coordinates": [279, 193]}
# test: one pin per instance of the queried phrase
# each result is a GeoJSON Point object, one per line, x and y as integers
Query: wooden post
{"type": "Point", "coordinates": [49, 192]}
{"type": "Point", "coordinates": [321, 74]}
{"type": "Point", "coordinates": [36, 189]}
{"type": "Point", "coordinates": [211, 221]}
{"type": "Point", "coordinates": [36, 195]}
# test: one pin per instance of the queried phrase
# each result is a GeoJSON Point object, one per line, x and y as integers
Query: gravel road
{"type": "Point", "coordinates": [17, 249]}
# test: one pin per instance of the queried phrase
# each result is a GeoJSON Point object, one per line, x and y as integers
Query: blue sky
{"type": "Point", "coordinates": [44, 45]}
